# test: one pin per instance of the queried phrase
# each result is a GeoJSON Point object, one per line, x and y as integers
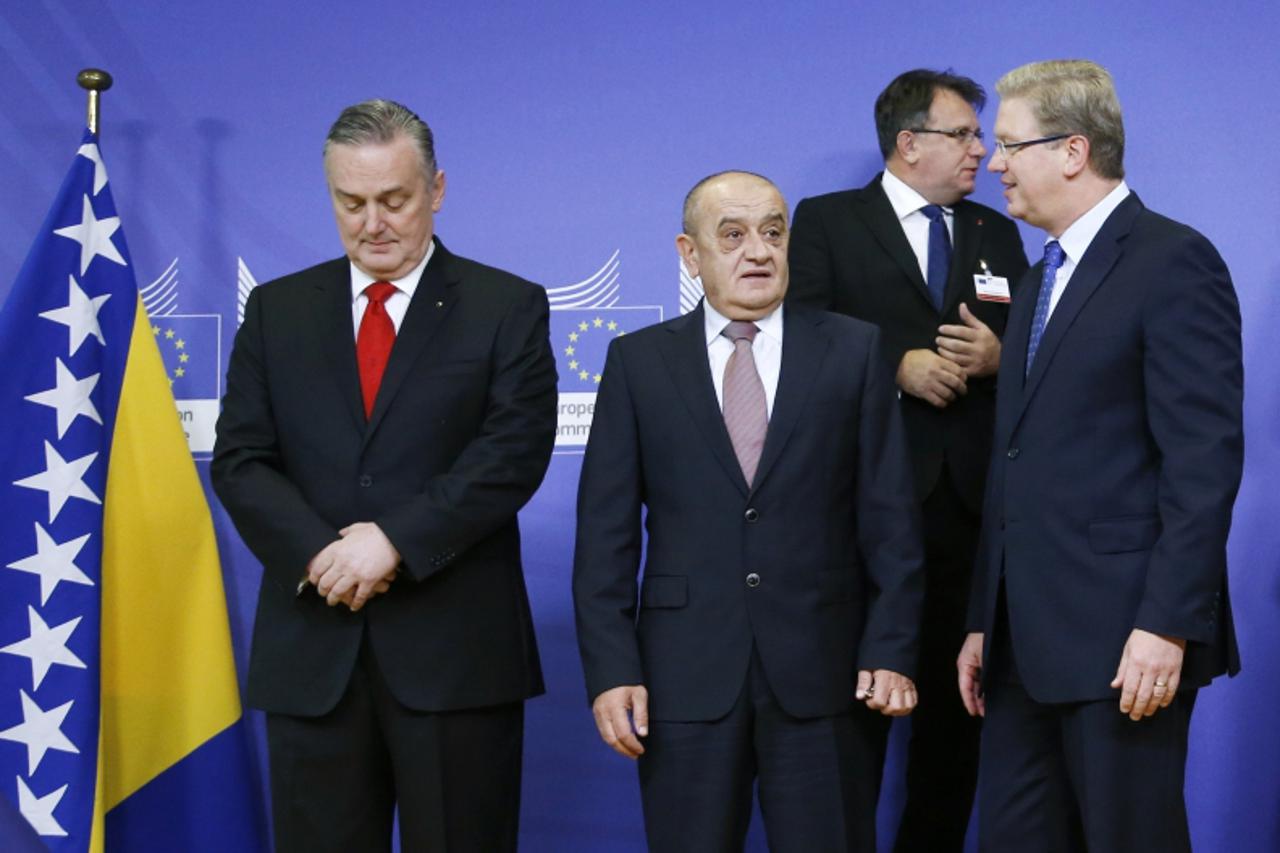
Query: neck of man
{"type": "Point", "coordinates": [1082, 193]}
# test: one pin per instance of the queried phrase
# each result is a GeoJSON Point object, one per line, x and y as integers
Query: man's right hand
{"type": "Point", "coordinates": [925, 374]}
{"type": "Point", "coordinates": [969, 670]}
{"type": "Point", "coordinates": [617, 728]}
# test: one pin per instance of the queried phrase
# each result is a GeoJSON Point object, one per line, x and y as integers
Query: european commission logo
{"type": "Point", "coordinates": [585, 317]}
{"type": "Point", "coordinates": [191, 348]}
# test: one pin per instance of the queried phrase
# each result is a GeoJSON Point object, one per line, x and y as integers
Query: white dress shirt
{"type": "Point", "coordinates": [1076, 239]}
{"type": "Point", "coordinates": [766, 349]}
{"type": "Point", "coordinates": [906, 204]}
{"type": "Point", "coordinates": [397, 304]}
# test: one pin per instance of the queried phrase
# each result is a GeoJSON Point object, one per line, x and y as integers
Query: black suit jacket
{"type": "Point", "coordinates": [459, 439]}
{"type": "Point", "coordinates": [829, 527]}
{"type": "Point", "coordinates": [1116, 462]}
{"type": "Point", "coordinates": [849, 254]}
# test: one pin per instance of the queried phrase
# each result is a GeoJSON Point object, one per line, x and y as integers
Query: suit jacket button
{"type": "Point", "coordinates": [1013, 453]}
{"type": "Point", "coordinates": [753, 580]}
{"type": "Point", "coordinates": [366, 480]}
{"type": "Point", "coordinates": [752, 514]}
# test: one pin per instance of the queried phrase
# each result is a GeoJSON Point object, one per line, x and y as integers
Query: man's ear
{"type": "Point", "coordinates": [906, 148]}
{"type": "Point", "coordinates": [688, 253]}
{"type": "Point", "coordinates": [1077, 148]}
{"type": "Point", "coordinates": [435, 189]}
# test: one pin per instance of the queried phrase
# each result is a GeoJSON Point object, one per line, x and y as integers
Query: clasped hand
{"type": "Point", "coordinates": [355, 568]}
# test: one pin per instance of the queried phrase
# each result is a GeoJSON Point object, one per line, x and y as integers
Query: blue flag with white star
{"type": "Point", "coordinates": [119, 713]}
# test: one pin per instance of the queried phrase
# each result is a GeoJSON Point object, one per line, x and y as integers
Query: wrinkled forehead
{"type": "Point", "coordinates": [741, 199]}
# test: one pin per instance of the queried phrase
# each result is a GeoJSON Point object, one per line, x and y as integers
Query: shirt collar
{"type": "Point", "coordinates": [1076, 239]}
{"type": "Point", "coordinates": [904, 200]}
{"type": "Point", "coordinates": [406, 285]}
{"type": "Point", "coordinates": [715, 322]}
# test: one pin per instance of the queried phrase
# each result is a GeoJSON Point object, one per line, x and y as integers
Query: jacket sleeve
{"type": "Point", "coordinates": [1194, 380]}
{"type": "Point", "coordinates": [276, 522]}
{"type": "Point", "coordinates": [607, 553]}
{"type": "Point", "coordinates": [889, 528]}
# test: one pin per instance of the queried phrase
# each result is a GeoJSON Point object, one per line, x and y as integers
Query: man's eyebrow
{"type": "Point", "coordinates": [381, 194]}
{"type": "Point", "coordinates": [774, 216]}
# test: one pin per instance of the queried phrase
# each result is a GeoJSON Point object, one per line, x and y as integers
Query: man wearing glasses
{"type": "Point", "coordinates": [1101, 589]}
{"type": "Point", "coordinates": [909, 253]}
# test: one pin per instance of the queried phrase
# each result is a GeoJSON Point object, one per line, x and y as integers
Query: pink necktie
{"type": "Point", "coordinates": [746, 414]}
{"type": "Point", "coordinates": [373, 341]}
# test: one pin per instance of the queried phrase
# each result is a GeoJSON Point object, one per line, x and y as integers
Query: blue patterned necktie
{"type": "Point", "coordinates": [1053, 257]}
{"type": "Point", "coordinates": [939, 264]}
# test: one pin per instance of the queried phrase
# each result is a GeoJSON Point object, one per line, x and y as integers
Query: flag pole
{"type": "Point", "coordinates": [95, 81]}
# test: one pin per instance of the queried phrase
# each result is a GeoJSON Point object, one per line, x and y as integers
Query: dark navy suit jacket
{"type": "Point", "coordinates": [829, 528]}
{"type": "Point", "coordinates": [1116, 462]}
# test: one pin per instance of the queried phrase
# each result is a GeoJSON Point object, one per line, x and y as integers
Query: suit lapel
{"type": "Point", "coordinates": [337, 341]}
{"type": "Point", "coordinates": [684, 349]}
{"type": "Point", "coordinates": [872, 206]}
{"type": "Point", "coordinates": [964, 254]}
{"type": "Point", "coordinates": [431, 303]}
{"type": "Point", "coordinates": [1089, 274]}
{"type": "Point", "coordinates": [803, 349]}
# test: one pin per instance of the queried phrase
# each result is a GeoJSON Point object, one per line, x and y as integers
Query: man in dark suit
{"type": "Point", "coordinates": [386, 416]}
{"type": "Point", "coordinates": [909, 253]}
{"type": "Point", "coordinates": [780, 602]}
{"type": "Point", "coordinates": [1101, 581]}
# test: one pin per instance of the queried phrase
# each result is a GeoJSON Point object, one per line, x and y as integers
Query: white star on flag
{"type": "Point", "coordinates": [79, 315]}
{"type": "Point", "coordinates": [39, 810]}
{"type": "Point", "coordinates": [63, 480]}
{"type": "Point", "coordinates": [40, 730]}
{"type": "Point", "coordinates": [69, 397]}
{"type": "Point", "coordinates": [54, 562]}
{"type": "Point", "coordinates": [45, 646]}
{"type": "Point", "coordinates": [94, 237]}
{"type": "Point", "coordinates": [89, 151]}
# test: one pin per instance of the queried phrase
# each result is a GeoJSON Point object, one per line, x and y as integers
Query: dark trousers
{"type": "Point", "coordinates": [1061, 778]}
{"type": "Point", "coordinates": [942, 756]}
{"type": "Point", "coordinates": [818, 778]}
{"type": "Point", "coordinates": [336, 779]}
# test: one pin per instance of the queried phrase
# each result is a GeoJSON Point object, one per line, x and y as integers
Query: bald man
{"type": "Point", "coordinates": [775, 629]}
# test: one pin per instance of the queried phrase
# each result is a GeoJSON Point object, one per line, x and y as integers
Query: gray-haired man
{"type": "Point", "coordinates": [386, 416]}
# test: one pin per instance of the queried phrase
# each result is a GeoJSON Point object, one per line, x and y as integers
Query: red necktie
{"type": "Point", "coordinates": [373, 343]}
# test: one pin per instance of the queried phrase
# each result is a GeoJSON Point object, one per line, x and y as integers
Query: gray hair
{"type": "Point", "coordinates": [1073, 96]}
{"type": "Point", "coordinates": [379, 122]}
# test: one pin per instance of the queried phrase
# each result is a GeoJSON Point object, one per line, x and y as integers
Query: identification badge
{"type": "Point", "coordinates": [991, 288]}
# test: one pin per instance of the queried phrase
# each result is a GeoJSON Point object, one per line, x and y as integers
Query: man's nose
{"type": "Point", "coordinates": [755, 248]}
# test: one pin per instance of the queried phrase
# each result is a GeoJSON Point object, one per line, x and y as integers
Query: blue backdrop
{"type": "Point", "coordinates": [570, 132]}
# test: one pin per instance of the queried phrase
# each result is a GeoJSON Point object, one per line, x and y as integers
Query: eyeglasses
{"type": "Point", "coordinates": [963, 135]}
{"type": "Point", "coordinates": [1008, 149]}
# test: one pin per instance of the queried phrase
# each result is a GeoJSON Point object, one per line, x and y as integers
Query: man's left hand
{"type": "Point", "coordinates": [356, 567]}
{"type": "Point", "coordinates": [973, 345]}
{"type": "Point", "coordinates": [886, 691]}
{"type": "Point", "coordinates": [1149, 671]}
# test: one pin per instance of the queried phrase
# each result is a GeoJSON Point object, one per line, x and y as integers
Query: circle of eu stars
{"type": "Point", "coordinates": [579, 335]}
{"type": "Point", "coordinates": [178, 344]}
